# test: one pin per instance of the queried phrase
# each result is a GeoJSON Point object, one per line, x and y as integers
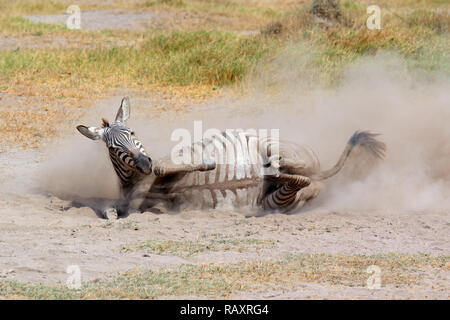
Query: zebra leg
{"type": "Point", "coordinates": [164, 168]}
{"type": "Point", "coordinates": [305, 194]}
{"type": "Point", "coordinates": [157, 202]}
{"type": "Point", "coordinates": [287, 196]}
{"type": "Point", "coordinates": [121, 208]}
{"type": "Point", "coordinates": [124, 209]}
{"type": "Point", "coordinates": [118, 211]}
{"type": "Point", "coordinates": [110, 214]}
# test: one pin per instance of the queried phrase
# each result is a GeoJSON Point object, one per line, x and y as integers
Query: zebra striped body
{"type": "Point", "coordinates": [235, 169]}
{"type": "Point", "coordinates": [242, 176]}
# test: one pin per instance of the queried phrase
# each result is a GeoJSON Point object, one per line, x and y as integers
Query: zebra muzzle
{"type": "Point", "coordinates": [143, 164]}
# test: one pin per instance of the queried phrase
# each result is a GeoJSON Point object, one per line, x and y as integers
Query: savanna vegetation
{"type": "Point", "coordinates": [212, 280]}
{"type": "Point", "coordinates": [216, 44]}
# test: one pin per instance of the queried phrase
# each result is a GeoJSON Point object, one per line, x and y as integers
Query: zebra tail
{"type": "Point", "coordinates": [366, 140]}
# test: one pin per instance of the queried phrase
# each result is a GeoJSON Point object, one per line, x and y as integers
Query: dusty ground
{"type": "Point", "coordinates": [41, 235]}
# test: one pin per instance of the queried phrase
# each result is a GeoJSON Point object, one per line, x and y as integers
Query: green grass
{"type": "Point", "coordinates": [181, 58]}
{"type": "Point", "coordinates": [33, 7]}
{"type": "Point", "coordinates": [213, 280]}
{"type": "Point", "coordinates": [218, 58]}
{"type": "Point", "coordinates": [28, 26]}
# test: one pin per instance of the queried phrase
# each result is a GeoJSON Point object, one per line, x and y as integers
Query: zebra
{"type": "Point", "coordinates": [281, 176]}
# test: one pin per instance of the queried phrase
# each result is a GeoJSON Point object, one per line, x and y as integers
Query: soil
{"type": "Point", "coordinates": [40, 235]}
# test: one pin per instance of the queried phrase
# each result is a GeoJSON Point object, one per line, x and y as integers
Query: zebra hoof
{"type": "Point", "coordinates": [111, 214]}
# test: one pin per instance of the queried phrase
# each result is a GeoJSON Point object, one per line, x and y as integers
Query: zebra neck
{"type": "Point", "coordinates": [128, 176]}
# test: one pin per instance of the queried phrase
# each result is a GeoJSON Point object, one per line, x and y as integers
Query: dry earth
{"type": "Point", "coordinates": [41, 235]}
{"type": "Point", "coordinates": [125, 20]}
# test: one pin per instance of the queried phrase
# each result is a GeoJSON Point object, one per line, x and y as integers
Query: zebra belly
{"type": "Point", "coordinates": [198, 191]}
{"type": "Point", "coordinates": [235, 182]}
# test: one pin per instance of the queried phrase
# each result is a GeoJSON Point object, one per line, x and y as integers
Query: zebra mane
{"type": "Point", "coordinates": [105, 123]}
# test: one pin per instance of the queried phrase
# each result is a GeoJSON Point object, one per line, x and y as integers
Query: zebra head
{"type": "Point", "coordinates": [129, 159]}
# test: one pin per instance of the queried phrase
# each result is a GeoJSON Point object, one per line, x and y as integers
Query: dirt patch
{"type": "Point", "coordinates": [107, 19]}
{"type": "Point", "coordinates": [337, 292]}
{"type": "Point", "coordinates": [41, 236]}
{"type": "Point", "coordinates": [158, 19]}
{"type": "Point", "coordinates": [29, 42]}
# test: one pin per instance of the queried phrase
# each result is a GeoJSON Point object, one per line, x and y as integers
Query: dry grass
{"type": "Point", "coordinates": [189, 58]}
{"type": "Point", "coordinates": [213, 280]}
{"type": "Point", "coordinates": [191, 248]}
{"type": "Point", "coordinates": [196, 64]}
{"type": "Point", "coordinates": [28, 128]}
{"type": "Point", "coordinates": [189, 66]}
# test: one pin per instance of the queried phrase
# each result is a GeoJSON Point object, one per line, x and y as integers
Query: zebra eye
{"type": "Point", "coordinates": [132, 133]}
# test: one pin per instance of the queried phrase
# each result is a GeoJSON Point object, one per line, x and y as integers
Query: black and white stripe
{"type": "Point", "coordinates": [120, 141]}
{"type": "Point", "coordinates": [241, 172]}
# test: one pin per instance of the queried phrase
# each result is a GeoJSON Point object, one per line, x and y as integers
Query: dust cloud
{"type": "Point", "coordinates": [410, 110]}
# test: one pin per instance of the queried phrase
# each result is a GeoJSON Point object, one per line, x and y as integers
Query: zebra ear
{"type": "Point", "coordinates": [124, 111]}
{"type": "Point", "coordinates": [91, 132]}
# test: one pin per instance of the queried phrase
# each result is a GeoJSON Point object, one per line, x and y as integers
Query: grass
{"type": "Point", "coordinates": [435, 21]}
{"type": "Point", "coordinates": [218, 58]}
{"type": "Point", "coordinates": [186, 61]}
{"type": "Point", "coordinates": [223, 280]}
{"type": "Point", "coordinates": [191, 63]}
{"type": "Point", "coordinates": [181, 58]}
{"type": "Point", "coordinates": [191, 248]}
{"type": "Point", "coordinates": [170, 247]}
{"type": "Point", "coordinates": [31, 133]}
{"type": "Point", "coordinates": [23, 26]}
{"type": "Point", "coordinates": [198, 14]}
{"type": "Point", "coordinates": [17, 7]}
